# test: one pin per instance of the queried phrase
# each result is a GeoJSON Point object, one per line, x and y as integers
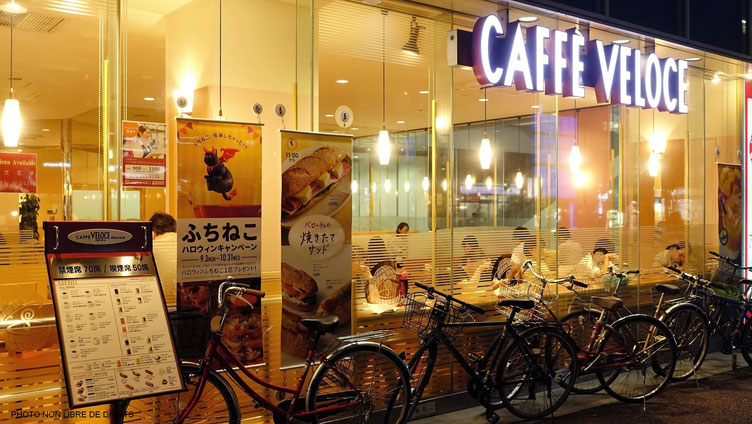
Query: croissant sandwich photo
{"type": "Point", "coordinates": [313, 177]}
{"type": "Point", "coordinates": [298, 289]}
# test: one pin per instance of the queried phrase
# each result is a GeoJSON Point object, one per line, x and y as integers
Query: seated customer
{"type": "Point", "coordinates": [596, 263]}
{"type": "Point", "coordinates": [164, 227]}
{"type": "Point", "coordinates": [672, 255]}
{"type": "Point", "coordinates": [570, 252]}
{"type": "Point", "coordinates": [399, 244]}
{"type": "Point", "coordinates": [520, 236]}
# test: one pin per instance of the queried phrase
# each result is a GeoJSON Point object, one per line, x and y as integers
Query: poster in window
{"type": "Point", "coordinates": [730, 215]}
{"type": "Point", "coordinates": [18, 172]}
{"type": "Point", "coordinates": [144, 154]}
{"type": "Point", "coordinates": [316, 225]}
{"type": "Point", "coordinates": [219, 224]}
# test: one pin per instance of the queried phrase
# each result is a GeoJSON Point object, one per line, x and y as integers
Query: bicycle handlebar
{"type": "Point", "coordinates": [528, 265]}
{"type": "Point", "coordinates": [728, 260]}
{"type": "Point", "coordinates": [431, 290]}
{"type": "Point", "coordinates": [240, 289]}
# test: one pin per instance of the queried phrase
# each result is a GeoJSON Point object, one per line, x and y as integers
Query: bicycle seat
{"type": "Point", "coordinates": [321, 325]}
{"type": "Point", "coordinates": [517, 303]}
{"type": "Point", "coordinates": [667, 289]}
{"type": "Point", "coordinates": [608, 302]}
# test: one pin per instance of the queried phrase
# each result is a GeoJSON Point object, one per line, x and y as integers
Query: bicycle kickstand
{"type": "Point", "coordinates": [734, 367]}
{"type": "Point", "coordinates": [644, 394]}
{"type": "Point", "coordinates": [694, 369]}
{"type": "Point", "coordinates": [492, 417]}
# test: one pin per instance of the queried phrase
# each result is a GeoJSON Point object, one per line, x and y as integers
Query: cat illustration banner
{"type": "Point", "coordinates": [219, 223]}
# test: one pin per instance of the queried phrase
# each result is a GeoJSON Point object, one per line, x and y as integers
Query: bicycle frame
{"type": "Point", "coordinates": [729, 336]}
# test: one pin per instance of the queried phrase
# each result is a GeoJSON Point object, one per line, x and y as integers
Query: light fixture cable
{"type": "Point", "coordinates": [383, 69]}
{"type": "Point", "coordinates": [220, 59]}
{"type": "Point", "coordinates": [11, 55]}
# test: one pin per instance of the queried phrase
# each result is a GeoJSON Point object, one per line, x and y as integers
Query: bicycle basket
{"type": "Point", "coordinates": [190, 331]}
{"type": "Point", "coordinates": [424, 314]}
{"type": "Point", "coordinates": [524, 289]}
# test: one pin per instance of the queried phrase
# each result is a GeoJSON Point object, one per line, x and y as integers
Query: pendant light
{"type": "Point", "coordinates": [469, 182]}
{"type": "Point", "coordinates": [11, 121]}
{"type": "Point", "coordinates": [575, 157]}
{"type": "Point", "coordinates": [485, 144]}
{"type": "Point", "coordinates": [354, 186]}
{"type": "Point", "coordinates": [220, 117]}
{"type": "Point", "coordinates": [519, 180]}
{"type": "Point", "coordinates": [387, 185]}
{"type": "Point", "coordinates": [407, 186]}
{"type": "Point", "coordinates": [384, 147]}
{"type": "Point", "coordinates": [426, 183]}
{"type": "Point", "coordinates": [489, 183]}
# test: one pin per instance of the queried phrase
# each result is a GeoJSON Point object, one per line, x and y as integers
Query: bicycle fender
{"type": "Point", "coordinates": [687, 305]}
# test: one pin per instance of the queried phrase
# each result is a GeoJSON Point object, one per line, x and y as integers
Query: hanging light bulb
{"type": "Point", "coordinates": [387, 185]}
{"type": "Point", "coordinates": [407, 185]}
{"type": "Point", "coordinates": [354, 186]}
{"type": "Point", "coordinates": [384, 148]}
{"type": "Point", "coordinates": [580, 179]}
{"type": "Point", "coordinates": [374, 188]}
{"type": "Point", "coordinates": [575, 159]}
{"type": "Point", "coordinates": [444, 184]}
{"type": "Point", "coordinates": [426, 183]}
{"type": "Point", "coordinates": [11, 121]}
{"type": "Point", "coordinates": [653, 165]}
{"type": "Point", "coordinates": [518, 180]}
{"type": "Point", "coordinates": [489, 183]}
{"type": "Point", "coordinates": [485, 152]}
{"type": "Point", "coordinates": [469, 182]}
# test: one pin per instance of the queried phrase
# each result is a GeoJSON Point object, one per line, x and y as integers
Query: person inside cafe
{"type": "Point", "coordinates": [673, 256]}
{"type": "Point", "coordinates": [520, 236]}
{"type": "Point", "coordinates": [597, 262]}
{"type": "Point", "coordinates": [399, 244]}
{"type": "Point", "coordinates": [570, 252]}
{"type": "Point", "coordinates": [164, 236]}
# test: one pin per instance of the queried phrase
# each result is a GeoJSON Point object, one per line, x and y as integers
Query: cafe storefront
{"type": "Point", "coordinates": [489, 130]}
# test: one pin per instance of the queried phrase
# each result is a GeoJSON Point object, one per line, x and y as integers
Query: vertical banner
{"type": "Point", "coordinates": [144, 154]}
{"type": "Point", "coordinates": [219, 223]}
{"type": "Point", "coordinates": [18, 172]}
{"type": "Point", "coordinates": [747, 145]}
{"type": "Point", "coordinates": [730, 211]}
{"type": "Point", "coordinates": [316, 236]}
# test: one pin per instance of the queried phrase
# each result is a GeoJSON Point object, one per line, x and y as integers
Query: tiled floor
{"type": "Point", "coordinates": [714, 364]}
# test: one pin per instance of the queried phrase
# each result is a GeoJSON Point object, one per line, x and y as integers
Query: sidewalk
{"type": "Point", "coordinates": [722, 397]}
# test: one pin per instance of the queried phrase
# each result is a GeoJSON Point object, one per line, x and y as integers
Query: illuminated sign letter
{"type": "Point", "coordinates": [668, 102]}
{"type": "Point", "coordinates": [639, 100]}
{"type": "Point", "coordinates": [554, 84]}
{"type": "Point", "coordinates": [625, 76]}
{"type": "Point", "coordinates": [605, 83]}
{"type": "Point", "coordinates": [536, 53]}
{"type": "Point", "coordinates": [574, 88]}
{"type": "Point", "coordinates": [518, 61]}
{"type": "Point", "coordinates": [484, 42]}
{"type": "Point", "coordinates": [653, 81]}
{"type": "Point", "coordinates": [683, 86]}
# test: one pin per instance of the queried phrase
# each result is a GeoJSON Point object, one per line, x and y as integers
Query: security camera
{"type": "Point", "coordinates": [182, 102]}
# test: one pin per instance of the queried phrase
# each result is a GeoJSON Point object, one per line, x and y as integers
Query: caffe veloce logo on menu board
{"type": "Point", "coordinates": [99, 236]}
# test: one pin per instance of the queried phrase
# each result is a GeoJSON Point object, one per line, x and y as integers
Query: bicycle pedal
{"type": "Point", "coordinates": [474, 358]}
{"type": "Point", "coordinates": [492, 417]}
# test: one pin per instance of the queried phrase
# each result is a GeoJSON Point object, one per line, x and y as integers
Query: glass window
{"type": "Point", "coordinates": [705, 17]}
{"type": "Point", "coordinates": [660, 15]}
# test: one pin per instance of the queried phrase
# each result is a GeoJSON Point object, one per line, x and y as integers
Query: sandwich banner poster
{"type": "Point", "coordinates": [316, 237]}
{"type": "Point", "coordinates": [144, 154]}
{"type": "Point", "coordinates": [730, 215]}
{"type": "Point", "coordinates": [219, 224]}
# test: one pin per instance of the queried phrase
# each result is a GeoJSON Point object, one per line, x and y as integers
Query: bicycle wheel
{"type": "Point", "coordinates": [580, 325]}
{"type": "Point", "coordinates": [643, 351]}
{"type": "Point", "coordinates": [361, 383]}
{"type": "Point", "coordinates": [745, 341]}
{"type": "Point", "coordinates": [692, 333]}
{"type": "Point", "coordinates": [421, 367]}
{"type": "Point", "coordinates": [536, 372]}
{"type": "Point", "coordinates": [217, 404]}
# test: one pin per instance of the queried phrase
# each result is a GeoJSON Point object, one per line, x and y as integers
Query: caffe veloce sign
{"type": "Point", "coordinates": [539, 59]}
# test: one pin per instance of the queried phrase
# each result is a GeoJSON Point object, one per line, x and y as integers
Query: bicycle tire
{"type": "Point", "coordinates": [688, 323]}
{"type": "Point", "coordinates": [630, 331]}
{"type": "Point", "coordinates": [518, 371]}
{"type": "Point", "coordinates": [746, 339]}
{"type": "Point", "coordinates": [380, 366]}
{"type": "Point", "coordinates": [580, 326]}
{"type": "Point", "coordinates": [217, 395]}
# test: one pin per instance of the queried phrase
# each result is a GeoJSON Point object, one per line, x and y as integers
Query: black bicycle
{"type": "Point", "coordinates": [529, 369]}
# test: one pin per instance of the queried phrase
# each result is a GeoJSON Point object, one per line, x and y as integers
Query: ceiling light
{"type": "Point", "coordinates": [411, 47]}
{"type": "Point", "coordinates": [329, 115]}
{"type": "Point", "coordinates": [466, 68]}
{"type": "Point", "coordinates": [423, 92]}
{"type": "Point", "coordinates": [575, 159]}
{"type": "Point", "coordinates": [183, 100]}
{"type": "Point", "coordinates": [400, 122]}
{"type": "Point", "coordinates": [622, 41]}
{"type": "Point", "coordinates": [518, 180]}
{"type": "Point", "coordinates": [46, 129]}
{"type": "Point", "coordinates": [653, 165]}
{"type": "Point", "coordinates": [469, 182]}
{"type": "Point", "coordinates": [13, 7]}
{"type": "Point", "coordinates": [485, 152]}
{"type": "Point", "coordinates": [354, 129]}
{"type": "Point", "coordinates": [426, 183]}
{"type": "Point", "coordinates": [528, 19]}
{"type": "Point", "coordinates": [149, 99]}
{"type": "Point", "coordinates": [483, 99]}
{"type": "Point", "coordinates": [693, 59]}
{"type": "Point", "coordinates": [535, 106]}
{"type": "Point", "coordinates": [384, 147]}
{"type": "Point", "coordinates": [444, 184]}
{"type": "Point", "coordinates": [354, 186]}
{"type": "Point", "coordinates": [407, 185]}
{"type": "Point", "coordinates": [371, 2]}
{"type": "Point", "coordinates": [342, 81]}
{"type": "Point", "coordinates": [489, 183]}
{"type": "Point", "coordinates": [387, 185]}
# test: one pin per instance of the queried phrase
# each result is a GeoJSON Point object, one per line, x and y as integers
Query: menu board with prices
{"type": "Point", "coordinates": [114, 335]}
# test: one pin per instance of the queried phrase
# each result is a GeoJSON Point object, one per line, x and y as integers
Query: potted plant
{"type": "Point", "coordinates": [28, 210]}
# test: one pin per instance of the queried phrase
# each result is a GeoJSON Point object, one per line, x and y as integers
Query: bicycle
{"type": "Point", "coordinates": [355, 383]}
{"type": "Point", "coordinates": [533, 365]}
{"type": "Point", "coordinates": [709, 308]}
{"type": "Point", "coordinates": [614, 351]}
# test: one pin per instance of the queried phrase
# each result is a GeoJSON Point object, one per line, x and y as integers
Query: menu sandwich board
{"type": "Point", "coordinates": [115, 339]}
